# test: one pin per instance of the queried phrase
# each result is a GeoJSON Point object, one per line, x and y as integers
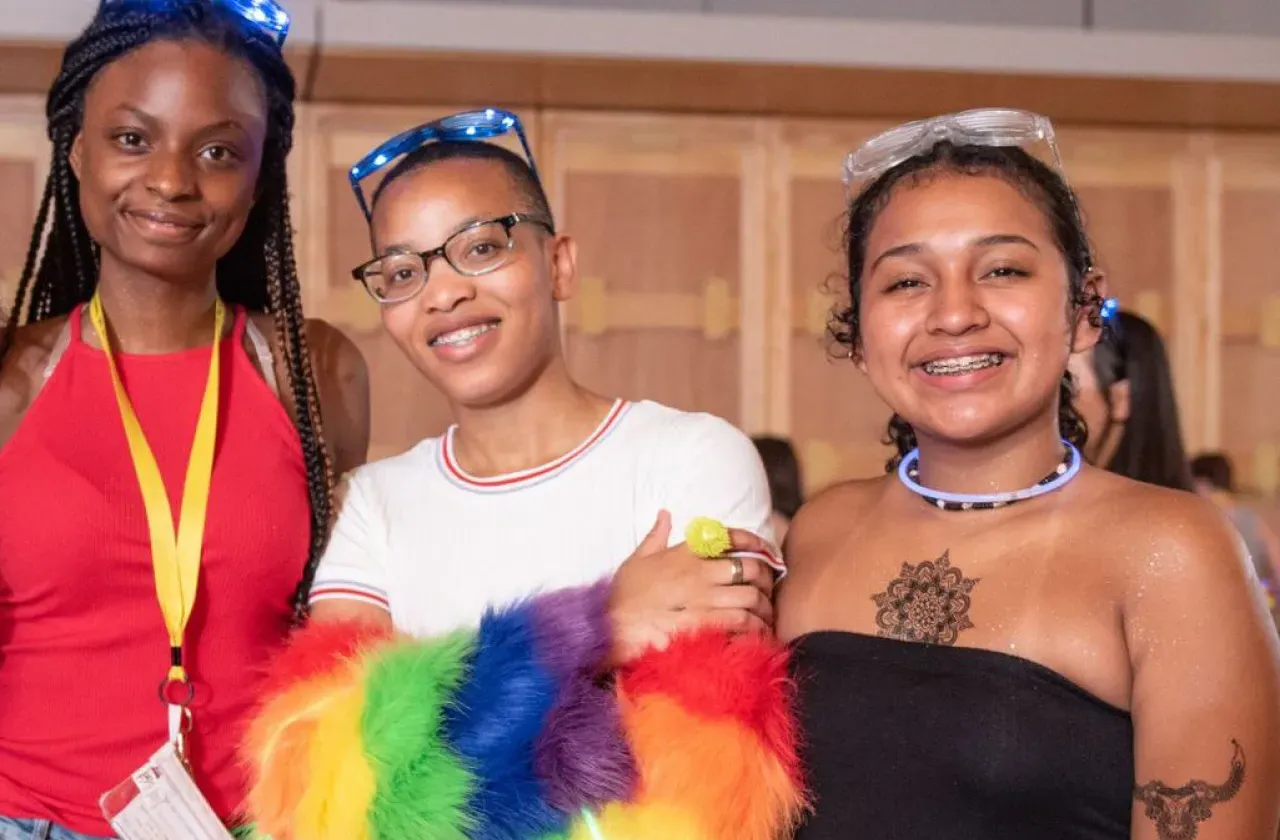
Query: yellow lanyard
{"type": "Point", "coordinates": [175, 560]}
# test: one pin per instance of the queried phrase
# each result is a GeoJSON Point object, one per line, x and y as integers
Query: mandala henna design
{"type": "Point", "coordinates": [925, 603]}
{"type": "Point", "coordinates": [1178, 812]}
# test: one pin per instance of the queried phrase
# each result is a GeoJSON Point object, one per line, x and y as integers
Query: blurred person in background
{"type": "Point", "coordinates": [1124, 391]}
{"type": "Point", "coordinates": [1215, 480]}
{"type": "Point", "coordinates": [786, 487]}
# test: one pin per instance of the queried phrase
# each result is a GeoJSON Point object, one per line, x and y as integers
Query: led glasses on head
{"type": "Point", "coordinates": [265, 17]}
{"type": "Point", "coordinates": [468, 126]}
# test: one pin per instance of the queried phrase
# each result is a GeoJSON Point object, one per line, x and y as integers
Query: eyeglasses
{"type": "Point", "coordinates": [982, 127]}
{"type": "Point", "coordinates": [264, 16]}
{"type": "Point", "coordinates": [477, 249]}
{"type": "Point", "coordinates": [468, 126]}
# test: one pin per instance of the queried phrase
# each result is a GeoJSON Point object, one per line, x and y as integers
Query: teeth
{"type": "Point", "coordinates": [463, 335]}
{"type": "Point", "coordinates": [963, 364]}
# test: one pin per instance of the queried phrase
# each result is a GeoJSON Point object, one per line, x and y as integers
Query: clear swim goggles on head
{"type": "Point", "coordinates": [981, 127]}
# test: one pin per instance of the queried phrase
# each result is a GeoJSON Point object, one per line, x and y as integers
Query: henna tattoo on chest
{"type": "Point", "coordinates": [928, 602]}
{"type": "Point", "coordinates": [1178, 812]}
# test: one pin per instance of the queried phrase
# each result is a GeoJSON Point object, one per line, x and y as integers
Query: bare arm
{"type": "Point", "coordinates": [1206, 691]}
{"type": "Point", "coordinates": [336, 611]}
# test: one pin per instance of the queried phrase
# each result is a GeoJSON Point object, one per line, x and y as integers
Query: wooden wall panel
{"type": "Point", "coordinates": [1248, 282]}
{"type": "Point", "coordinates": [24, 153]}
{"type": "Point", "coordinates": [821, 400]}
{"type": "Point", "coordinates": [668, 216]}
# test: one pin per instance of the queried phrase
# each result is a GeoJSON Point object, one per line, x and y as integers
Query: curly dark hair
{"type": "Point", "coordinates": [1034, 179]}
{"type": "Point", "coordinates": [259, 271]}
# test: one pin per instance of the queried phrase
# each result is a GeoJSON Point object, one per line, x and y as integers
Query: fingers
{"type": "Point", "coordinates": [754, 573]}
{"type": "Point", "coordinates": [735, 621]}
{"type": "Point", "coordinates": [747, 541]}
{"type": "Point", "coordinates": [741, 598]}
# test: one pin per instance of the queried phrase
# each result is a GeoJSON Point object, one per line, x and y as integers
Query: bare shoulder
{"type": "Point", "coordinates": [343, 380]}
{"type": "Point", "coordinates": [826, 516]}
{"type": "Point", "coordinates": [22, 370]}
{"type": "Point", "coordinates": [1168, 548]}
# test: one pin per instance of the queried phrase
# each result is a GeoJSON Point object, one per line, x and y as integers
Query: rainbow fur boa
{"type": "Point", "coordinates": [505, 732]}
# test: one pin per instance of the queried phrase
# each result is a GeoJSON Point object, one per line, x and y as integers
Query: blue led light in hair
{"type": "Point", "coordinates": [264, 16]}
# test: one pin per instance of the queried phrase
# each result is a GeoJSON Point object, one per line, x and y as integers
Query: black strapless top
{"type": "Point", "coordinates": [909, 741]}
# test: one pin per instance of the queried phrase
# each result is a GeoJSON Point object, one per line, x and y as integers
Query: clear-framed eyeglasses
{"type": "Point", "coordinates": [476, 249]}
{"type": "Point", "coordinates": [981, 127]}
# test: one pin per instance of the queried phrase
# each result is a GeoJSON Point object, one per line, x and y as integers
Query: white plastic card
{"type": "Point", "coordinates": [160, 801]}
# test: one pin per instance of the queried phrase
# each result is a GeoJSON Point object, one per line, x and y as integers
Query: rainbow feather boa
{"type": "Point", "coordinates": [506, 732]}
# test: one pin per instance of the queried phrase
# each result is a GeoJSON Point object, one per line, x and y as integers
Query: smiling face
{"type": "Point", "coordinates": [481, 340]}
{"type": "Point", "coordinates": [964, 308]}
{"type": "Point", "coordinates": [168, 155]}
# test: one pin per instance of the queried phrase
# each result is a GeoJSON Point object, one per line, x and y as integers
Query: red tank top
{"type": "Point", "coordinates": [82, 642]}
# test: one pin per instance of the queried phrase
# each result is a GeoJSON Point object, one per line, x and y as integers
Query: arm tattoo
{"type": "Point", "coordinates": [928, 602]}
{"type": "Point", "coordinates": [1178, 812]}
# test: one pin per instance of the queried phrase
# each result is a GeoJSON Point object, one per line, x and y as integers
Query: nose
{"type": "Point", "coordinates": [957, 307]}
{"type": "Point", "coordinates": [445, 288]}
{"type": "Point", "coordinates": [171, 175]}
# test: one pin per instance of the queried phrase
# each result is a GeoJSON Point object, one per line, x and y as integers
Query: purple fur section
{"type": "Point", "coordinates": [581, 756]}
{"type": "Point", "coordinates": [571, 627]}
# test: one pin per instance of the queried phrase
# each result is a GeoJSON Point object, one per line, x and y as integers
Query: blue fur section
{"type": "Point", "coordinates": [494, 722]}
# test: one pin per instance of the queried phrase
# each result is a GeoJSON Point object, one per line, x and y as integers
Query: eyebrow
{"type": "Point", "coordinates": [913, 248]}
{"type": "Point", "coordinates": [143, 117]}
{"type": "Point", "coordinates": [401, 248]}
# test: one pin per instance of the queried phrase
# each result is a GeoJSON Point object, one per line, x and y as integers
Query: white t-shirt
{"type": "Point", "coordinates": [435, 546]}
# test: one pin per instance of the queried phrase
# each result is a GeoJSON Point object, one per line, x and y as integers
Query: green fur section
{"type": "Point", "coordinates": [422, 786]}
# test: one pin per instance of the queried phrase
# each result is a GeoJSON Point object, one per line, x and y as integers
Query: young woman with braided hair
{"type": "Point", "coordinates": [166, 226]}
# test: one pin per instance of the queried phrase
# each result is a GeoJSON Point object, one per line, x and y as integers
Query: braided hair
{"type": "Point", "coordinates": [259, 272]}
{"type": "Point", "coordinates": [1041, 185]}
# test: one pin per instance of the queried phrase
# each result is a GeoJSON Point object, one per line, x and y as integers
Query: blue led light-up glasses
{"type": "Point", "coordinates": [265, 17]}
{"type": "Point", "coordinates": [469, 126]}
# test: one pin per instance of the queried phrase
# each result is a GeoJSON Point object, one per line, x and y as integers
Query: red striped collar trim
{"type": "Point", "coordinates": [533, 475]}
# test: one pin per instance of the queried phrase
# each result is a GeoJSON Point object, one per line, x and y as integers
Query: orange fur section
{"type": "Point", "coordinates": [714, 769]}
{"type": "Point", "coordinates": [279, 741]}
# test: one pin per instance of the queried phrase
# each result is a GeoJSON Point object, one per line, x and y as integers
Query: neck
{"type": "Point", "coordinates": [151, 315]}
{"type": "Point", "coordinates": [547, 420]}
{"type": "Point", "coordinates": [1014, 462]}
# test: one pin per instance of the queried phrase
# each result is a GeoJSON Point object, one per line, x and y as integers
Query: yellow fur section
{"type": "Point", "coordinates": [280, 739]}
{"type": "Point", "coordinates": [721, 773]}
{"type": "Point", "coordinates": [653, 821]}
{"type": "Point", "coordinates": [341, 783]}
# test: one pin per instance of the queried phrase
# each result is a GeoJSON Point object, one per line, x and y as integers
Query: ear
{"type": "Point", "coordinates": [1120, 396]}
{"type": "Point", "coordinates": [73, 157]}
{"type": "Point", "coordinates": [1086, 329]}
{"type": "Point", "coordinates": [855, 355]}
{"type": "Point", "coordinates": [564, 268]}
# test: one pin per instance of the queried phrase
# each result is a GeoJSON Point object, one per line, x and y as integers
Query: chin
{"type": "Point", "coordinates": [478, 390]}
{"type": "Point", "coordinates": [164, 262]}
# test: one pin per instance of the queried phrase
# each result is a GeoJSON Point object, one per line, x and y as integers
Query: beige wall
{"type": "Point", "coordinates": [706, 244]}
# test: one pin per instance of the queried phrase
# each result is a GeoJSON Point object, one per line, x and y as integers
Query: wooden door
{"type": "Point", "coordinates": [668, 215]}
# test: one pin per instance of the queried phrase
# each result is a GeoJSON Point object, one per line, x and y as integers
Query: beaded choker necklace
{"type": "Point", "coordinates": [909, 475]}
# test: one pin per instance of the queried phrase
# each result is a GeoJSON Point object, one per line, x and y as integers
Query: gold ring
{"type": "Point", "coordinates": [739, 573]}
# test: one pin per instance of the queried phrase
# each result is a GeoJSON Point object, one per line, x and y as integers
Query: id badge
{"type": "Point", "coordinates": [160, 801]}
